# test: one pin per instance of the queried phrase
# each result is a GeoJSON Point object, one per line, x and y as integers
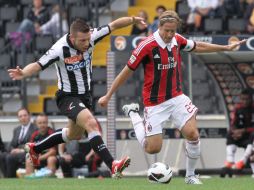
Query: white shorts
{"type": "Point", "coordinates": [178, 110]}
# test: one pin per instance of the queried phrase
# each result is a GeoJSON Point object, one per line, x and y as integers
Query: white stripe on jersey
{"type": "Point", "coordinates": [143, 44]}
{"type": "Point", "coordinates": [80, 83]}
{"type": "Point", "coordinates": [73, 68]}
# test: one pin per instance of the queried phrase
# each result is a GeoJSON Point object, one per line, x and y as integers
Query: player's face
{"type": "Point", "coordinates": [81, 41]}
{"type": "Point", "coordinates": [167, 31]}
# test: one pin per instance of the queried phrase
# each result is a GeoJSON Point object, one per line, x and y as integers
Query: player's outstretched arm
{"type": "Point", "coordinates": [119, 80]}
{"type": "Point", "coordinates": [29, 70]}
{"type": "Point", "coordinates": [203, 47]}
{"type": "Point", "coordinates": [125, 21]}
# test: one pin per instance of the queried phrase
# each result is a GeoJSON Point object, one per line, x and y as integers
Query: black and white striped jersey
{"type": "Point", "coordinates": [74, 68]}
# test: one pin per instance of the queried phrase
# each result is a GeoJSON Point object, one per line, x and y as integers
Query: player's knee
{"type": "Point", "coordinates": [152, 148]}
{"type": "Point", "coordinates": [71, 135]}
{"type": "Point", "coordinates": [193, 149]}
{"type": "Point", "coordinates": [193, 135]}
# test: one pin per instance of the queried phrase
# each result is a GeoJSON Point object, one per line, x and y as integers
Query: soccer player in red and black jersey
{"type": "Point", "coordinates": [163, 98]}
{"type": "Point", "coordinates": [240, 132]}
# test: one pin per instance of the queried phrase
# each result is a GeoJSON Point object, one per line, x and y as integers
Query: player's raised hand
{"type": "Point", "coordinates": [16, 74]}
{"type": "Point", "coordinates": [234, 45]}
{"type": "Point", "coordinates": [103, 101]}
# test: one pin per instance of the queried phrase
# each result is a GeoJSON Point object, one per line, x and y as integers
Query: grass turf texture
{"type": "Point", "coordinates": [177, 183]}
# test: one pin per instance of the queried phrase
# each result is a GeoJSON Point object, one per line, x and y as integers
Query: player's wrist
{"type": "Point", "coordinates": [133, 20]}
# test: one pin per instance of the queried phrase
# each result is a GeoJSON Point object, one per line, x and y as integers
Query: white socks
{"type": "Point", "coordinates": [193, 154]}
{"type": "Point", "coordinates": [139, 127]}
{"type": "Point", "coordinates": [247, 153]}
{"type": "Point", "coordinates": [230, 150]}
{"type": "Point", "coordinates": [252, 167]}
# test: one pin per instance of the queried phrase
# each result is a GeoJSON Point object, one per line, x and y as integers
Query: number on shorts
{"type": "Point", "coordinates": [190, 107]}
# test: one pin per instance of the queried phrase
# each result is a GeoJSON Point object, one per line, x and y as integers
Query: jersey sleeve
{"type": "Point", "coordinates": [50, 57]}
{"type": "Point", "coordinates": [99, 33]}
{"type": "Point", "coordinates": [137, 56]}
{"type": "Point", "coordinates": [185, 44]}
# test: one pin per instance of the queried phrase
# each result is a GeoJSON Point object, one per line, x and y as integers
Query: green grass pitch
{"type": "Point", "coordinates": [177, 183]}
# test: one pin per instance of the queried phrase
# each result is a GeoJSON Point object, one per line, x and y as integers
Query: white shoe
{"type": "Point", "coordinates": [252, 176]}
{"type": "Point", "coordinates": [194, 179]}
{"type": "Point", "coordinates": [130, 107]}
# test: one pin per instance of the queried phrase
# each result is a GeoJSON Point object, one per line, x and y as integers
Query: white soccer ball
{"type": "Point", "coordinates": [159, 172]}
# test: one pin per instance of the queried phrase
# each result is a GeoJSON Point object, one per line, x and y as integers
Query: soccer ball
{"type": "Point", "coordinates": [159, 172]}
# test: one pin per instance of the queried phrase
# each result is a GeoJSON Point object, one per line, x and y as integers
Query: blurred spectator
{"type": "Point", "coordinates": [201, 9]}
{"type": "Point", "coordinates": [140, 29]}
{"type": "Point", "coordinates": [53, 27]}
{"type": "Point", "coordinates": [76, 154]}
{"type": "Point", "coordinates": [249, 17]}
{"type": "Point", "coordinates": [231, 8]}
{"type": "Point", "coordinates": [154, 26]}
{"type": "Point", "coordinates": [37, 15]}
{"type": "Point", "coordinates": [13, 159]}
{"type": "Point", "coordinates": [240, 131]}
{"type": "Point", "coordinates": [47, 166]}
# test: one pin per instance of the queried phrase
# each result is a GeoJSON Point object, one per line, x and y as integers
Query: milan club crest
{"type": "Point", "coordinates": [149, 127]}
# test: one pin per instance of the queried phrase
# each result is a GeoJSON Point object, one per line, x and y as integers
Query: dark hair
{"type": "Point", "coordinates": [42, 115]}
{"type": "Point", "coordinates": [79, 25]}
{"type": "Point", "coordinates": [161, 7]}
{"type": "Point", "coordinates": [23, 109]}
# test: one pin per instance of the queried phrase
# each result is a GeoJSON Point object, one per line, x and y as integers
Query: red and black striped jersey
{"type": "Point", "coordinates": [162, 66]}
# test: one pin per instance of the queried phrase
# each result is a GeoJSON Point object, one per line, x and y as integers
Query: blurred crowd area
{"type": "Point", "coordinates": [207, 17]}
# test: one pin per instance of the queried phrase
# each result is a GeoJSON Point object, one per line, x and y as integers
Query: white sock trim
{"type": "Point", "coordinates": [93, 134]}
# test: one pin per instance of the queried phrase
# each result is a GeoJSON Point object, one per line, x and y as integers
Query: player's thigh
{"type": "Point", "coordinates": [184, 110]}
{"type": "Point", "coordinates": [86, 120]}
{"type": "Point", "coordinates": [70, 106]}
{"type": "Point", "coordinates": [184, 117]}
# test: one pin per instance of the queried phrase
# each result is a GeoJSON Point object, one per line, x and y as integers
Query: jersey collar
{"type": "Point", "coordinates": [69, 41]}
{"type": "Point", "coordinates": [161, 43]}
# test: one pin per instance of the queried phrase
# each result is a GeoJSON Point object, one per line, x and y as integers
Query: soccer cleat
{"type": "Point", "coordinates": [239, 165]}
{"type": "Point", "coordinates": [34, 157]}
{"type": "Point", "coordinates": [228, 164]}
{"type": "Point", "coordinates": [118, 166]}
{"type": "Point", "coordinates": [130, 107]}
{"type": "Point", "coordinates": [193, 179]}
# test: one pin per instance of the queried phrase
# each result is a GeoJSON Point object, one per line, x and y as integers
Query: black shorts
{"type": "Point", "coordinates": [71, 104]}
{"type": "Point", "coordinates": [246, 139]}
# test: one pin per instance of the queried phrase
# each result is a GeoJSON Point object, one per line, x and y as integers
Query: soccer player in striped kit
{"type": "Point", "coordinates": [163, 98]}
{"type": "Point", "coordinates": [72, 56]}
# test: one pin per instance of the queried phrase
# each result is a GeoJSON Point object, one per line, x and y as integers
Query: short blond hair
{"type": "Point", "coordinates": [169, 16]}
